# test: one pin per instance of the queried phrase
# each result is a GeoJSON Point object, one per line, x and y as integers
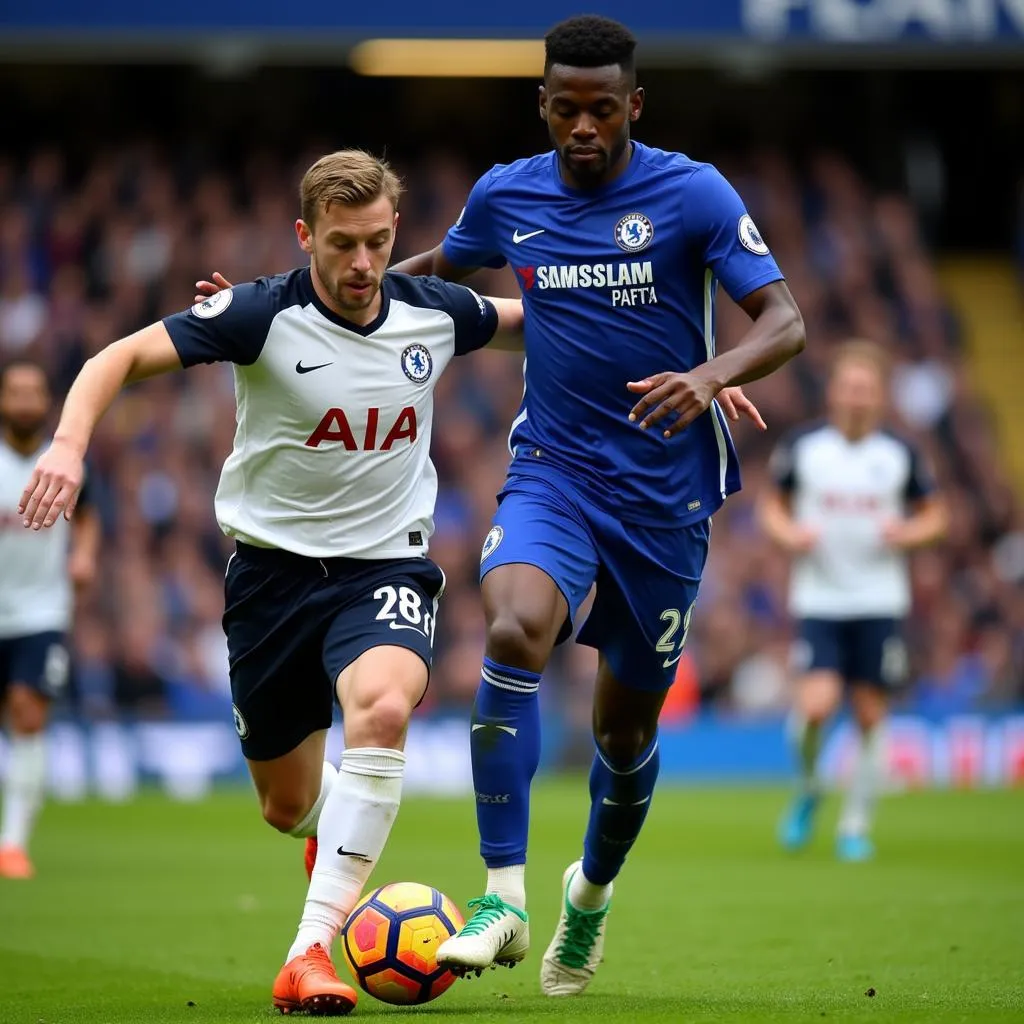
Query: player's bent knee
{"type": "Point", "coordinates": [518, 640]}
{"type": "Point", "coordinates": [283, 811]}
{"type": "Point", "coordinates": [381, 723]}
{"type": "Point", "coordinates": [621, 746]}
{"type": "Point", "coordinates": [26, 711]}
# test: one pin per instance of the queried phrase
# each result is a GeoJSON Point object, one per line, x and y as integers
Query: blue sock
{"type": "Point", "coordinates": [505, 744]}
{"type": "Point", "coordinates": [620, 796]}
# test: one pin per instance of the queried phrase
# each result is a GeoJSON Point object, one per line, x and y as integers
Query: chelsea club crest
{"type": "Point", "coordinates": [491, 541]}
{"type": "Point", "coordinates": [417, 363]}
{"type": "Point", "coordinates": [634, 232]}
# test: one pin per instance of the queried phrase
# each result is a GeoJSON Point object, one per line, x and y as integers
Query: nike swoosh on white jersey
{"type": "Point", "coordinates": [517, 238]}
{"type": "Point", "coordinates": [511, 730]}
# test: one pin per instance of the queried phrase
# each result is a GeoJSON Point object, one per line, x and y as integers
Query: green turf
{"type": "Point", "coordinates": [159, 912]}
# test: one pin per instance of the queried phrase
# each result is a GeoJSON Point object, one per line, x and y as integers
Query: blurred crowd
{"type": "Point", "coordinates": [91, 253]}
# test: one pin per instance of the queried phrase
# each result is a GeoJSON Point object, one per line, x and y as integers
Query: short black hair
{"type": "Point", "coordinates": [590, 41]}
{"type": "Point", "coordinates": [24, 362]}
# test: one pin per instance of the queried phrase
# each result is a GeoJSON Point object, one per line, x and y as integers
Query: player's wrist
{"type": "Point", "coordinates": [70, 442]}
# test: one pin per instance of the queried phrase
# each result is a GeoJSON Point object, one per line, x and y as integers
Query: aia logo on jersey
{"type": "Point", "coordinates": [417, 363]}
{"type": "Point", "coordinates": [528, 275]}
{"type": "Point", "coordinates": [634, 232]}
{"type": "Point", "coordinates": [335, 427]}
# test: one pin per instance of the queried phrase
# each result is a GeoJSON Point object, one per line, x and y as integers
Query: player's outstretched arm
{"type": "Point", "coordinates": [57, 478]}
{"type": "Point", "coordinates": [434, 262]}
{"type": "Point", "coordinates": [509, 337]}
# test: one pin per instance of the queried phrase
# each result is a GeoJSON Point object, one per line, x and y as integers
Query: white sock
{"type": "Point", "coordinates": [307, 827]}
{"type": "Point", "coordinates": [509, 883]}
{"type": "Point", "coordinates": [868, 768]}
{"type": "Point", "coordinates": [23, 788]}
{"type": "Point", "coordinates": [806, 739]}
{"type": "Point", "coordinates": [585, 895]}
{"type": "Point", "coordinates": [356, 818]}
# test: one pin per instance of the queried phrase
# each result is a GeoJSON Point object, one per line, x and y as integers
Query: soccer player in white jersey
{"type": "Point", "coordinates": [38, 578]}
{"type": "Point", "coordinates": [849, 501]}
{"type": "Point", "coordinates": [329, 493]}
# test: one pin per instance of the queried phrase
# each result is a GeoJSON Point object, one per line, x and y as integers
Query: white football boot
{"type": "Point", "coordinates": [578, 945]}
{"type": "Point", "coordinates": [497, 935]}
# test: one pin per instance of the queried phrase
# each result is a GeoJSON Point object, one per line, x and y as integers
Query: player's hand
{"type": "Point", "coordinates": [53, 487]}
{"type": "Point", "coordinates": [734, 403]}
{"type": "Point", "coordinates": [204, 289]}
{"type": "Point", "coordinates": [895, 534]}
{"type": "Point", "coordinates": [685, 394]}
{"type": "Point", "coordinates": [802, 539]}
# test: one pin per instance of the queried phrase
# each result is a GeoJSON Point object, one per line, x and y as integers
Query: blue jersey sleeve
{"type": "Point", "coordinates": [472, 240]}
{"type": "Point", "coordinates": [229, 327]}
{"type": "Point", "coordinates": [732, 246]}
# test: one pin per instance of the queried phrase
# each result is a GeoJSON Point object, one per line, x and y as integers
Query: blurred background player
{"type": "Point", "coordinates": [38, 578]}
{"type": "Point", "coordinates": [849, 501]}
{"type": "Point", "coordinates": [329, 494]}
{"type": "Point", "coordinates": [618, 248]}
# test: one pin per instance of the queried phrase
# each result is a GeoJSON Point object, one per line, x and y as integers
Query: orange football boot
{"type": "Point", "coordinates": [310, 856]}
{"type": "Point", "coordinates": [310, 983]}
{"type": "Point", "coordinates": [14, 862]}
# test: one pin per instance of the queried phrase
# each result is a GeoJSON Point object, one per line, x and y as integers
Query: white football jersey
{"type": "Point", "coordinates": [332, 448]}
{"type": "Point", "coordinates": [847, 491]}
{"type": "Point", "coordinates": [35, 591]}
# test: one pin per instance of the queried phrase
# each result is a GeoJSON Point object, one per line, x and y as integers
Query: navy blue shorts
{"type": "Point", "coordinates": [647, 577]}
{"type": "Point", "coordinates": [870, 651]}
{"type": "Point", "coordinates": [38, 660]}
{"type": "Point", "coordinates": [293, 623]}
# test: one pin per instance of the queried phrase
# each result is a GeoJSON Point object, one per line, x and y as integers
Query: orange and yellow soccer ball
{"type": "Point", "coordinates": [390, 942]}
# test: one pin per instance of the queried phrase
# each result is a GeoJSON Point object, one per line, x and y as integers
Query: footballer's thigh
{"type": "Point", "coordinates": [379, 648]}
{"type": "Point", "coordinates": [274, 618]}
{"type": "Point", "coordinates": [537, 566]}
{"type": "Point", "coordinates": [817, 659]}
{"type": "Point", "coordinates": [36, 669]}
{"type": "Point", "coordinates": [647, 588]}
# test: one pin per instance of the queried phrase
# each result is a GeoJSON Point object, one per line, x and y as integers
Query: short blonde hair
{"type": "Point", "coordinates": [859, 350]}
{"type": "Point", "coordinates": [351, 177]}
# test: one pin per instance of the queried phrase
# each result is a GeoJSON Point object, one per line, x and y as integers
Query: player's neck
{"type": "Point", "coordinates": [855, 432]}
{"type": "Point", "coordinates": [22, 445]}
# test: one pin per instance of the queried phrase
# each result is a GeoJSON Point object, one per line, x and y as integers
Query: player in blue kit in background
{"type": "Point", "coordinates": [620, 457]}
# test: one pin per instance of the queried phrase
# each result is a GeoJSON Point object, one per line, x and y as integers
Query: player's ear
{"type": "Point", "coordinates": [542, 98]}
{"type": "Point", "coordinates": [304, 233]}
{"type": "Point", "coordinates": [636, 104]}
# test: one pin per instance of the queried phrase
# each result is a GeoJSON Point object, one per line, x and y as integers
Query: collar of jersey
{"type": "Point", "coordinates": [364, 329]}
{"type": "Point", "coordinates": [601, 190]}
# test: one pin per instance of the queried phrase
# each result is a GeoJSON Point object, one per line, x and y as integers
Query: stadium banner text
{"type": "Point", "coordinates": [187, 759]}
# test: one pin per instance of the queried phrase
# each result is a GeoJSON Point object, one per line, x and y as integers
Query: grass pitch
{"type": "Point", "coordinates": [158, 912]}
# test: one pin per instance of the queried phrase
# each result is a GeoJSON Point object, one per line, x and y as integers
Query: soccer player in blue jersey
{"type": "Point", "coordinates": [620, 456]}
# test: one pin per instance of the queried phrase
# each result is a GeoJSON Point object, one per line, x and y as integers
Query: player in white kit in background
{"type": "Point", "coordinates": [329, 493]}
{"type": "Point", "coordinates": [849, 501]}
{"type": "Point", "coordinates": [38, 578]}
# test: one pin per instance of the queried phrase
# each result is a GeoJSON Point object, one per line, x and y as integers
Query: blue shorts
{"type": "Point", "coordinates": [293, 623]}
{"type": "Point", "coordinates": [868, 651]}
{"type": "Point", "coordinates": [38, 660]}
{"type": "Point", "coordinates": [647, 577]}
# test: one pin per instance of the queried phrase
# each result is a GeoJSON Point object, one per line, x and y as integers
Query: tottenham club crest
{"type": "Point", "coordinates": [241, 726]}
{"type": "Point", "coordinates": [750, 237]}
{"type": "Point", "coordinates": [214, 305]}
{"type": "Point", "coordinates": [634, 232]}
{"type": "Point", "coordinates": [491, 542]}
{"type": "Point", "coordinates": [417, 363]}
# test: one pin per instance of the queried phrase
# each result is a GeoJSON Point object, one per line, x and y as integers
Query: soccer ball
{"type": "Point", "coordinates": [390, 942]}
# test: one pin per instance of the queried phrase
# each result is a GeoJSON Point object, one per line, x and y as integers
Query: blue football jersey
{"type": "Point", "coordinates": [618, 283]}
